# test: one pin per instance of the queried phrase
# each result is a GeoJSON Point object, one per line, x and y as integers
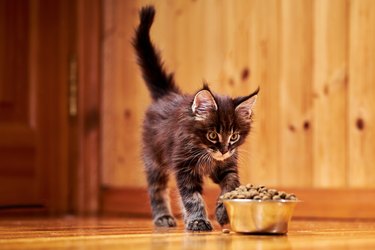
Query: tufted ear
{"type": "Point", "coordinates": [244, 105]}
{"type": "Point", "coordinates": [203, 104]}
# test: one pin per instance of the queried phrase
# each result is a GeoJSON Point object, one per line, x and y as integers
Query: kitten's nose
{"type": "Point", "coordinates": [223, 150]}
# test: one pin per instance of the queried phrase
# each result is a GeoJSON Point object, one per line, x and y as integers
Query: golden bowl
{"type": "Point", "coordinates": [259, 216]}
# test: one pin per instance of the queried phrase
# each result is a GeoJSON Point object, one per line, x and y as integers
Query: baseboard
{"type": "Point", "coordinates": [316, 203]}
{"type": "Point", "coordinates": [23, 210]}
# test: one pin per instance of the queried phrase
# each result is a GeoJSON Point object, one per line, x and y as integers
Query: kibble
{"type": "Point", "coordinates": [226, 231]}
{"type": "Point", "coordinates": [250, 191]}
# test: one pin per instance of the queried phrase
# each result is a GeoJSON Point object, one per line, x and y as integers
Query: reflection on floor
{"type": "Point", "coordinates": [132, 233]}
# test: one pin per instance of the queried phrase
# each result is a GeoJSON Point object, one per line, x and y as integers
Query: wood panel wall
{"type": "Point", "coordinates": [313, 60]}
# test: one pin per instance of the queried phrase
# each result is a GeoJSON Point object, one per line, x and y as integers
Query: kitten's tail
{"type": "Point", "coordinates": [158, 81]}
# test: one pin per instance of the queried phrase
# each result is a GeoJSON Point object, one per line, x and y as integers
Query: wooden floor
{"type": "Point", "coordinates": [139, 234]}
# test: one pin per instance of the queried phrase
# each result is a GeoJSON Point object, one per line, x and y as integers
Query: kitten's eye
{"type": "Point", "coordinates": [212, 136]}
{"type": "Point", "coordinates": [235, 137]}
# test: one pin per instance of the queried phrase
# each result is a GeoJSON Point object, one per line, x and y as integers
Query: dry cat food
{"type": "Point", "coordinates": [250, 191]}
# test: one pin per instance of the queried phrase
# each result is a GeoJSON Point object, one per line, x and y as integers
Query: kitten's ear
{"type": "Point", "coordinates": [203, 104]}
{"type": "Point", "coordinates": [244, 105]}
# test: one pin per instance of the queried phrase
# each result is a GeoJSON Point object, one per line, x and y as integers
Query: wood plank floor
{"type": "Point", "coordinates": [125, 233]}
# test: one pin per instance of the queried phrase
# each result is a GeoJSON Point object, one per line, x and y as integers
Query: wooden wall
{"type": "Point", "coordinates": [313, 60]}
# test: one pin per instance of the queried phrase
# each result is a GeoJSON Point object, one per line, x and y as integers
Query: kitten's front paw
{"type": "Point", "coordinates": [199, 225]}
{"type": "Point", "coordinates": [221, 214]}
{"type": "Point", "coordinates": [165, 221]}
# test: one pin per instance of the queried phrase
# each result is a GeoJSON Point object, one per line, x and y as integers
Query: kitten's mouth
{"type": "Point", "coordinates": [217, 155]}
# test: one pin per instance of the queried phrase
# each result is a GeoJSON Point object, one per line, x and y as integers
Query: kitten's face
{"type": "Point", "coordinates": [221, 145]}
{"type": "Point", "coordinates": [222, 123]}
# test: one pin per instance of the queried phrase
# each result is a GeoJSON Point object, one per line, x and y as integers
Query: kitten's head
{"type": "Point", "coordinates": [222, 123]}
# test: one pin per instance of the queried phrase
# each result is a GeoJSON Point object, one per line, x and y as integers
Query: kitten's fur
{"type": "Point", "coordinates": [188, 135]}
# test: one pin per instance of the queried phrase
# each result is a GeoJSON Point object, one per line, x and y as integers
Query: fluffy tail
{"type": "Point", "coordinates": [158, 81]}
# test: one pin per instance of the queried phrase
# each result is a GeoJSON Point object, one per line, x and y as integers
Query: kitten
{"type": "Point", "coordinates": [188, 135]}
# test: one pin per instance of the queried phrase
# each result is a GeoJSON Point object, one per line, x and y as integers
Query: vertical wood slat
{"type": "Point", "coordinates": [330, 93]}
{"type": "Point", "coordinates": [361, 120]}
{"type": "Point", "coordinates": [86, 130]}
{"type": "Point", "coordinates": [124, 101]}
{"type": "Point", "coordinates": [262, 164]}
{"type": "Point", "coordinates": [237, 34]}
{"type": "Point", "coordinates": [295, 93]}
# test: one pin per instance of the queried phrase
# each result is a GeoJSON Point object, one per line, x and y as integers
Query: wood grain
{"type": "Point", "coordinates": [14, 56]}
{"type": "Point", "coordinates": [361, 120]}
{"type": "Point", "coordinates": [312, 60]}
{"type": "Point", "coordinates": [330, 94]}
{"type": "Point", "coordinates": [295, 94]}
{"type": "Point", "coordinates": [124, 98]}
{"type": "Point", "coordinates": [33, 130]}
{"type": "Point", "coordinates": [316, 203]}
{"type": "Point", "coordinates": [261, 162]}
{"type": "Point", "coordinates": [130, 233]}
{"type": "Point", "coordinates": [85, 143]}
{"type": "Point", "coordinates": [51, 23]}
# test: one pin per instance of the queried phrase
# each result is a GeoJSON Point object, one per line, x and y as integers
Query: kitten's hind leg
{"type": "Point", "coordinates": [159, 198]}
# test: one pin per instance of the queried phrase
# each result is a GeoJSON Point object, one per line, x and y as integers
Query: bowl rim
{"type": "Point", "coordinates": [261, 201]}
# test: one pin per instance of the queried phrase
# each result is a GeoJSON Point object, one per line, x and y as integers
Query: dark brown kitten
{"type": "Point", "coordinates": [188, 135]}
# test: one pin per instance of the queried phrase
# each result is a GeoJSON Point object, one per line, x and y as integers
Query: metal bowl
{"type": "Point", "coordinates": [258, 216]}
